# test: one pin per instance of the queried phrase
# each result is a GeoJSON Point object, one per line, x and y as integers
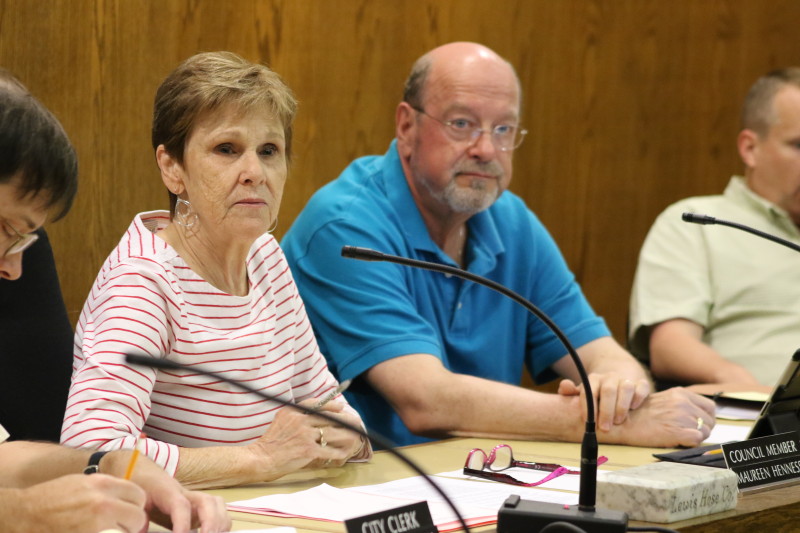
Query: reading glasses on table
{"type": "Point", "coordinates": [490, 466]}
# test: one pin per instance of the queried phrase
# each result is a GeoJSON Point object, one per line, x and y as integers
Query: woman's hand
{"type": "Point", "coordinates": [296, 440]}
{"type": "Point", "coordinates": [341, 444]}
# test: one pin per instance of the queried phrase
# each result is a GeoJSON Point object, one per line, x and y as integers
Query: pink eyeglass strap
{"type": "Point", "coordinates": [552, 475]}
{"type": "Point", "coordinates": [560, 471]}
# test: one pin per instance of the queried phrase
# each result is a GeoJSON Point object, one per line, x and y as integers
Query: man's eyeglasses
{"type": "Point", "coordinates": [20, 242]}
{"type": "Point", "coordinates": [479, 464]}
{"type": "Point", "coordinates": [506, 137]}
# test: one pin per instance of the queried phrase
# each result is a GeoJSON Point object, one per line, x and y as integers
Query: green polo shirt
{"type": "Point", "coordinates": [743, 290]}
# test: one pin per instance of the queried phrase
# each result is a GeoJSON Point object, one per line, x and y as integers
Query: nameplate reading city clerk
{"type": "Point", "coordinates": [765, 460]}
{"type": "Point", "coordinates": [414, 518]}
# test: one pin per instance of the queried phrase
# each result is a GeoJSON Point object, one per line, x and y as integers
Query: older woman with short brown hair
{"type": "Point", "coordinates": [206, 284]}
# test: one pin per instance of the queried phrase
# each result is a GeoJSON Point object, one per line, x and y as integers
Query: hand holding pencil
{"type": "Point", "coordinates": [333, 394]}
{"type": "Point", "coordinates": [134, 456]}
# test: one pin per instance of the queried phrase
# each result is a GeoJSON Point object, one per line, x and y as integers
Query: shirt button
{"type": "Point", "coordinates": [459, 305]}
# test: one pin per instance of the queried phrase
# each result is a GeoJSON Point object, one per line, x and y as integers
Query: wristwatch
{"type": "Point", "coordinates": [94, 463]}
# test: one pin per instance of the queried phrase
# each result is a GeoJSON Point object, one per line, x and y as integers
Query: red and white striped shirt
{"type": "Point", "coordinates": [146, 300]}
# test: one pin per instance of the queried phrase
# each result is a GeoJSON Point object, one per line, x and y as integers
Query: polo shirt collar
{"type": "Point", "coordinates": [738, 192]}
{"type": "Point", "coordinates": [485, 242]}
{"type": "Point", "coordinates": [399, 194]}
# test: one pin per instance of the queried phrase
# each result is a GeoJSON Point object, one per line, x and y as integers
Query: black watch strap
{"type": "Point", "coordinates": [94, 463]}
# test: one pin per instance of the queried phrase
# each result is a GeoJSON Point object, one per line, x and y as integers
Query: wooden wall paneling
{"type": "Point", "coordinates": [630, 105]}
{"type": "Point", "coordinates": [685, 93]}
{"type": "Point", "coordinates": [46, 46]}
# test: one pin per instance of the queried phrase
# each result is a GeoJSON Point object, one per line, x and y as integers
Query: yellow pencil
{"type": "Point", "coordinates": [713, 452]}
{"type": "Point", "coordinates": [134, 456]}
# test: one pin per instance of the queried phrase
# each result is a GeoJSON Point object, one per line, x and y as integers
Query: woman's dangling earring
{"type": "Point", "coordinates": [275, 225]}
{"type": "Point", "coordinates": [185, 215]}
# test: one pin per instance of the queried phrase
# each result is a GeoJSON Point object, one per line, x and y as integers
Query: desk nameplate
{"type": "Point", "coordinates": [412, 518]}
{"type": "Point", "coordinates": [770, 460]}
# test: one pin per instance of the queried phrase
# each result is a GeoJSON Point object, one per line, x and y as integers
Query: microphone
{"type": "Point", "coordinates": [588, 476]}
{"type": "Point", "coordinates": [383, 442]}
{"type": "Point", "coordinates": [695, 218]}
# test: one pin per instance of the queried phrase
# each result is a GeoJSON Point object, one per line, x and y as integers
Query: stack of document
{"type": "Point", "coordinates": [740, 405]}
{"type": "Point", "coordinates": [477, 500]}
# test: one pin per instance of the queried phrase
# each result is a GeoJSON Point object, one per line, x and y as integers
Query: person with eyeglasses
{"type": "Point", "coordinates": [43, 486]}
{"type": "Point", "coordinates": [434, 356]}
{"type": "Point", "coordinates": [18, 242]}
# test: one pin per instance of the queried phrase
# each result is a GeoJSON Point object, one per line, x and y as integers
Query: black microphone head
{"type": "Point", "coordinates": [348, 251]}
{"type": "Point", "coordinates": [364, 254]}
{"type": "Point", "coordinates": [695, 218]}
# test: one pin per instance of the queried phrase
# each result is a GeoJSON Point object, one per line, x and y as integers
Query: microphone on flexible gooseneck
{"type": "Point", "coordinates": [588, 479]}
{"type": "Point", "coordinates": [588, 475]}
{"type": "Point", "coordinates": [383, 442]}
{"type": "Point", "coordinates": [694, 218]}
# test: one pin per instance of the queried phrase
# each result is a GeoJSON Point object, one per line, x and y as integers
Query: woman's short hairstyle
{"type": "Point", "coordinates": [35, 148]}
{"type": "Point", "coordinates": [758, 113]}
{"type": "Point", "coordinates": [208, 81]}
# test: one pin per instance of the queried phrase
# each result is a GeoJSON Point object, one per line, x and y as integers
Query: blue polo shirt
{"type": "Point", "coordinates": [364, 313]}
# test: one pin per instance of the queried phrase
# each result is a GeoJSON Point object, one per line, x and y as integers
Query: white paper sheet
{"type": "Point", "coordinates": [331, 504]}
{"type": "Point", "coordinates": [477, 501]}
{"type": "Point", "coordinates": [737, 412]}
{"type": "Point", "coordinates": [727, 433]}
{"type": "Point", "coordinates": [474, 499]}
{"type": "Point", "coordinates": [270, 530]}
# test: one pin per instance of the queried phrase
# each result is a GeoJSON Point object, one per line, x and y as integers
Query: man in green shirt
{"type": "Point", "coordinates": [717, 305]}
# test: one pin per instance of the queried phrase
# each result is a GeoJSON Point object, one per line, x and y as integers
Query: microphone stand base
{"type": "Point", "coordinates": [525, 516]}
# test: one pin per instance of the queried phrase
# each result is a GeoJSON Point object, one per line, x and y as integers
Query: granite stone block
{"type": "Point", "coordinates": [667, 492]}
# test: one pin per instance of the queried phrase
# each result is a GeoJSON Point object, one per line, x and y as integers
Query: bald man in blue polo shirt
{"type": "Point", "coordinates": [435, 356]}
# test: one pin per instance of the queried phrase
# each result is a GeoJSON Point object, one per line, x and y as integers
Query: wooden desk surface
{"type": "Point", "coordinates": [774, 510]}
{"type": "Point", "coordinates": [238, 525]}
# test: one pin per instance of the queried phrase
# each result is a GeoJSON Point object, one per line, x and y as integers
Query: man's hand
{"type": "Point", "coordinates": [619, 384]}
{"type": "Point", "coordinates": [667, 419]}
{"type": "Point", "coordinates": [75, 502]}
{"type": "Point", "coordinates": [614, 396]}
{"type": "Point", "coordinates": [171, 505]}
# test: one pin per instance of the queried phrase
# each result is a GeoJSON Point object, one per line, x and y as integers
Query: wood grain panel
{"type": "Point", "coordinates": [630, 105]}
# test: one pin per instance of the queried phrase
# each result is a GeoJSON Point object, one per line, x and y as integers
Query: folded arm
{"type": "Point", "coordinates": [433, 401]}
{"type": "Point", "coordinates": [678, 353]}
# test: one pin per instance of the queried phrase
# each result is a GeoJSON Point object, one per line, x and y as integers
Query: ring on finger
{"type": "Point", "coordinates": [700, 423]}
{"type": "Point", "coordinates": [322, 441]}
